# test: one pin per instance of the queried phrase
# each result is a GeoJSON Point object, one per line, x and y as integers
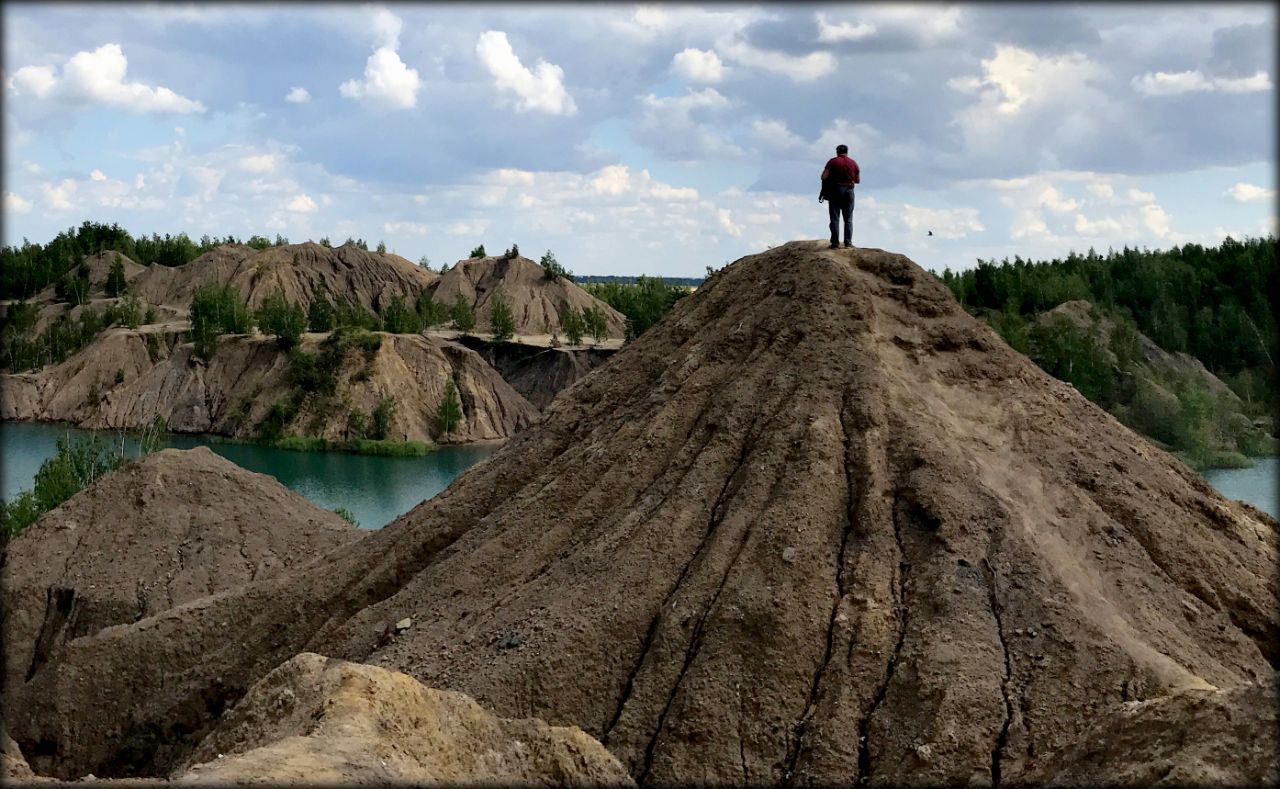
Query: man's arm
{"type": "Point", "coordinates": [857, 173]}
{"type": "Point", "coordinates": [824, 173]}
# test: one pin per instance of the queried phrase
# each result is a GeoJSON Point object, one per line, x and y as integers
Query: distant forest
{"type": "Point", "coordinates": [26, 270]}
{"type": "Point", "coordinates": [614, 279]}
{"type": "Point", "coordinates": [1212, 303]}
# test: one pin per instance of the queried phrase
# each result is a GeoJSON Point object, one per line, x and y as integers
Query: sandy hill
{"type": "Point", "coordinates": [99, 266]}
{"type": "Point", "coordinates": [817, 525]}
{"type": "Point", "coordinates": [535, 300]}
{"type": "Point", "coordinates": [248, 375]}
{"type": "Point", "coordinates": [302, 271]}
{"type": "Point", "coordinates": [351, 723]}
{"type": "Point", "coordinates": [535, 372]}
{"type": "Point", "coordinates": [160, 531]}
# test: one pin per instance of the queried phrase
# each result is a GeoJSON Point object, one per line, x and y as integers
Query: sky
{"type": "Point", "coordinates": [645, 139]}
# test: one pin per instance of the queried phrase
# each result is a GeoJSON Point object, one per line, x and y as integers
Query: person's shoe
{"type": "Point", "coordinates": [833, 245]}
{"type": "Point", "coordinates": [847, 245]}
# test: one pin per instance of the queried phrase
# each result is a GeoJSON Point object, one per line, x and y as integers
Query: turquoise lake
{"type": "Point", "coordinates": [379, 489]}
{"type": "Point", "coordinates": [375, 489]}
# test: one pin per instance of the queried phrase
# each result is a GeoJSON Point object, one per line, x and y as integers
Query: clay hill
{"type": "Point", "coordinates": [536, 301]}
{"type": "Point", "coordinates": [817, 525]}
{"type": "Point", "coordinates": [301, 271]}
{"type": "Point", "coordinates": [537, 373]}
{"type": "Point", "coordinates": [161, 531]}
{"type": "Point", "coordinates": [126, 378]}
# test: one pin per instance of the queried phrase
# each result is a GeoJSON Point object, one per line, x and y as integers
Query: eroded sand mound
{"type": "Point", "coordinates": [234, 391]}
{"type": "Point", "coordinates": [301, 271]}
{"type": "Point", "coordinates": [536, 301]}
{"type": "Point", "coordinates": [818, 524]}
{"type": "Point", "coordinates": [315, 720]}
{"type": "Point", "coordinates": [1195, 738]}
{"type": "Point", "coordinates": [160, 531]}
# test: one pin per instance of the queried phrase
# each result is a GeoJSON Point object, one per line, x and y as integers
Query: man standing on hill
{"type": "Point", "coordinates": [838, 178]}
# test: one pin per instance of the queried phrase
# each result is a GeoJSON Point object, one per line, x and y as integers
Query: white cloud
{"type": "Point", "coordinates": [773, 134]}
{"type": "Point", "coordinates": [261, 163]}
{"type": "Point", "coordinates": [37, 81]}
{"type": "Point", "coordinates": [1164, 83]}
{"type": "Point", "coordinates": [612, 180]}
{"type": "Point", "coordinates": [842, 31]}
{"type": "Point", "coordinates": [386, 28]}
{"type": "Point", "coordinates": [1028, 224]}
{"type": "Point", "coordinates": [1139, 197]}
{"type": "Point", "coordinates": [1106, 227]}
{"type": "Point", "coordinates": [1013, 78]}
{"type": "Point", "coordinates": [1053, 200]}
{"type": "Point", "coordinates": [1258, 82]}
{"type": "Point", "coordinates": [800, 68]}
{"type": "Point", "coordinates": [298, 95]}
{"type": "Point", "coordinates": [668, 125]}
{"type": "Point", "coordinates": [98, 77]}
{"type": "Point", "coordinates": [925, 24]}
{"type": "Point", "coordinates": [302, 204]}
{"type": "Point", "coordinates": [471, 227]}
{"type": "Point", "coordinates": [727, 223]}
{"type": "Point", "coordinates": [97, 175]}
{"type": "Point", "coordinates": [139, 182]}
{"type": "Point", "coordinates": [1101, 189]}
{"type": "Point", "coordinates": [698, 65]}
{"type": "Point", "coordinates": [539, 90]}
{"type": "Point", "coordinates": [387, 81]}
{"type": "Point", "coordinates": [1155, 219]}
{"type": "Point", "coordinates": [511, 177]}
{"type": "Point", "coordinates": [1249, 193]}
{"type": "Point", "coordinates": [59, 196]}
{"type": "Point", "coordinates": [663, 191]}
{"type": "Point", "coordinates": [15, 203]}
{"type": "Point", "coordinates": [944, 222]}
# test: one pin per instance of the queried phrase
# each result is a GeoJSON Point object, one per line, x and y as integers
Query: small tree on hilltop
{"type": "Point", "coordinates": [382, 247]}
{"type": "Point", "coordinates": [464, 317]}
{"type": "Point", "coordinates": [115, 279]}
{"type": "Point", "coordinates": [449, 413]}
{"type": "Point", "coordinates": [551, 268]}
{"type": "Point", "coordinates": [501, 322]}
{"type": "Point", "coordinates": [478, 252]}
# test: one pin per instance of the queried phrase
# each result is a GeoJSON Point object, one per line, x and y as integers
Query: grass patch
{"type": "Point", "coordinates": [1213, 459]}
{"type": "Point", "coordinates": [363, 446]}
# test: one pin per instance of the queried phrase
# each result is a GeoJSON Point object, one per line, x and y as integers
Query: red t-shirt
{"type": "Point", "coordinates": [843, 171]}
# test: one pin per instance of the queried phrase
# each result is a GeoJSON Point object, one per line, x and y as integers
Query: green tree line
{"type": "Point", "coordinates": [1213, 303]}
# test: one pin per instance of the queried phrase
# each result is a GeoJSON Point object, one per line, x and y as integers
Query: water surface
{"type": "Point", "coordinates": [375, 489]}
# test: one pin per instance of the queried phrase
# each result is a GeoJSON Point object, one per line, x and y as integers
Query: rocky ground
{"type": "Point", "coordinates": [817, 526]}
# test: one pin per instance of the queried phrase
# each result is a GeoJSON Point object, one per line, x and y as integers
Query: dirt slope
{"type": "Point", "coordinates": [535, 300]}
{"type": "Point", "coordinates": [817, 525]}
{"type": "Point", "coordinates": [301, 271]}
{"type": "Point", "coordinates": [320, 721]}
{"type": "Point", "coordinates": [99, 265]}
{"type": "Point", "coordinates": [539, 374]}
{"type": "Point", "coordinates": [1162, 742]}
{"type": "Point", "coordinates": [233, 392]}
{"type": "Point", "coordinates": [161, 531]}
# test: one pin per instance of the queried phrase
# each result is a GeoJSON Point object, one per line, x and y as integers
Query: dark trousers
{"type": "Point", "coordinates": [841, 203]}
